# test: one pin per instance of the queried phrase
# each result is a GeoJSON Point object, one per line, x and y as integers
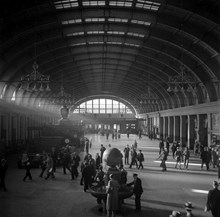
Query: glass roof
{"type": "Point", "coordinates": [141, 4]}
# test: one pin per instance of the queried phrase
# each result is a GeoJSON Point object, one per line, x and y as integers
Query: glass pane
{"type": "Point", "coordinates": [95, 103]}
{"type": "Point", "coordinates": [109, 104]}
{"type": "Point", "coordinates": [83, 105]}
{"type": "Point", "coordinates": [102, 105]}
{"type": "Point", "coordinates": [122, 108]}
{"type": "Point", "coordinates": [95, 110]}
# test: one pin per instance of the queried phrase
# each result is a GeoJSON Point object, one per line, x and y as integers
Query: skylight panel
{"type": "Point", "coordinates": [118, 20]}
{"type": "Point", "coordinates": [149, 5]}
{"type": "Point", "coordinates": [66, 22]}
{"type": "Point", "coordinates": [78, 44]}
{"type": "Point", "coordinates": [140, 22]}
{"type": "Point", "coordinates": [66, 4]}
{"type": "Point", "coordinates": [132, 45]}
{"type": "Point", "coordinates": [74, 34]}
{"type": "Point", "coordinates": [95, 32]}
{"type": "Point", "coordinates": [115, 33]}
{"type": "Point", "coordinates": [96, 42]}
{"type": "Point", "coordinates": [114, 42]}
{"type": "Point", "coordinates": [121, 3]}
{"type": "Point", "coordinates": [135, 34]}
{"type": "Point", "coordinates": [93, 3]}
{"type": "Point", "coordinates": [95, 19]}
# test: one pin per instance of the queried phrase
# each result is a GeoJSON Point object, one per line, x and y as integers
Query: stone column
{"type": "Point", "coordinates": [176, 128]}
{"type": "Point", "coordinates": [170, 127]}
{"type": "Point", "coordinates": [209, 129]}
{"type": "Point", "coordinates": [161, 127]}
{"type": "Point", "coordinates": [202, 129]}
{"type": "Point", "coordinates": [183, 129]}
{"type": "Point", "coordinates": [190, 129]}
{"type": "Point", "coordinates": [166, 126]}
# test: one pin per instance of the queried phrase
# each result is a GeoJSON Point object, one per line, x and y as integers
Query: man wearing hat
{"type": "Point", "coordinates": [188, 208]}
{"type": "Point", "coordinates": [175, 214]}
{"type": "Point", "coordinates": [213, 200]}
{"type": "Point", "coordinates": [138, 190]}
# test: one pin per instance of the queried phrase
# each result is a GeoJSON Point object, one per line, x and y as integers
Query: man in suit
{"type": "Point", "coordinates": [213, 200]}
{"type": "Point", "coordinates": [138, 190]}
{"type": "Point", "coordinates": [3, 169]}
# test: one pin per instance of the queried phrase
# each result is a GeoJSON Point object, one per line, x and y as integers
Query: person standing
{"type": "Point", "coordinates": [140, 158]}
{"type": "Point", "coordinates": [102, 149]}
{"type": "Point", "coordinates": [205, 158]}
{"type": "Point", "coordinates": [126, 154]}
{"type": "Point", "coordinates": [54, 157]}
{"type": "Point", "coordinates": [186, 156]}
{"type": "Point", "coordinates": [213, 200]}
{"type": "Point", "coordinates": [87, 176]}
{"type": "Point", "coordinates": [112, 202]}
{"type": "Point", "coordinates": [3, 170]}
{"type": "Point", "coordinates": [97, 160]}
{"type": "Point", "coordinates": [138, 190]}
{"type": "Point", "coordinates": [174, 148]}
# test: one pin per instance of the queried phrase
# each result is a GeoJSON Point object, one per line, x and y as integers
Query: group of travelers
{"type": "Point", "coordinates": [137, 159]}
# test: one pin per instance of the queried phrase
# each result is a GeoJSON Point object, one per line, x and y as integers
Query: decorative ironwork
{"type": "Point", "coordinates": [35, 81]}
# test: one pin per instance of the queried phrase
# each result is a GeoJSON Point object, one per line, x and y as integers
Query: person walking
{"type": "Point", "coordinates": [138, 190]}
{"type": "Point", "coordinates": [186, 156]}
{"type": "Point", "coordinates": [213, 200]}
{"type": "Point", "coordinates": [126, 154]}
{"type": "Point", "coordinates": [178, 157]}
{"type": "Point", "coordinates": [75, 159]}
{"type": "Point", "coordinates": [161, 146]}
{"type": "Point", "coordinates": [3, 170]}
{"type": "Point", "coordinates": [140, 158]}
{"type": "Point", "coordinates": [49, 167]}
{"type": "Point", "coordinates": [27, 166]}
{"type": "Point", "coordinates": [133, 158]}
{"type": "Point", "coordinates": [112, 202]}
{"type": "Point", "coordinates": [163, 157]}
{"type": "Point", "coordinates": [43, 165]}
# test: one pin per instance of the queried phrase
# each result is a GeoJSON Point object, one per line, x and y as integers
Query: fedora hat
{"type": "Point", "coordinates": [175, 214]}
{"type": "Point", "coordinates": [188, 205]}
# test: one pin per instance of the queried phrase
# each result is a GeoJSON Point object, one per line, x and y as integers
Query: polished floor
{"type": "Point", "coordinates": [61, 197]}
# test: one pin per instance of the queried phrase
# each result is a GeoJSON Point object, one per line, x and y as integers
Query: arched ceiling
{"type": "Point", "coordinates": [122, 48]}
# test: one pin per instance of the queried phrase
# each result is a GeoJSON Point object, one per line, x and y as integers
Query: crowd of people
{"type": "Point", "coordinates": [91, 168]}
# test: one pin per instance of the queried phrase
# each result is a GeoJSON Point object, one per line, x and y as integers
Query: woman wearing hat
{"type": "Point", "coordinates": [112, 196]}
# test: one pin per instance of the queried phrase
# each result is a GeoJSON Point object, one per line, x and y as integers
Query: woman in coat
{"type": "Point", "coordinates": [112, 196]}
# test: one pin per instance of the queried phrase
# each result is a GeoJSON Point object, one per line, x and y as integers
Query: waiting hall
{"type": "Point", "coordinates": [78, 76]}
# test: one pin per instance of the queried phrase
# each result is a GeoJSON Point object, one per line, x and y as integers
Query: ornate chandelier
{"type": "Point", "coordinates": [148, 98]}
{"type": "Point", "coordinates": [35, 81]}
{"type": "Point", "coordinates": [181, 82]}
{"type": "Point", "coordinates": [63, 98]}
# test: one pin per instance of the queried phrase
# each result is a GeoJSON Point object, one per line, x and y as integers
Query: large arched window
{"type": "Point", "coordinates": [102, 106]}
